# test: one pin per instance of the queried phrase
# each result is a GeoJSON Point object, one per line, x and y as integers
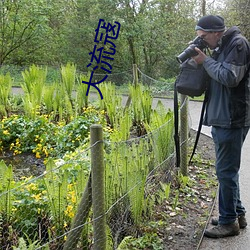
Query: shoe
{"type": "Point", "coordinates": [241, 219]}
{"type": "Point", "coordinates": [221, 231]}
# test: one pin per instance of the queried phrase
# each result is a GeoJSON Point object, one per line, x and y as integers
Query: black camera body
{"type": "Point", "coordinates": [190, 51]}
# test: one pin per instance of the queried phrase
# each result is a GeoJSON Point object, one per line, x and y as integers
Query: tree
{"type": "Point", "coordinates": [21, 21]}
{"type": "Point", "coordinates": [237, 12]}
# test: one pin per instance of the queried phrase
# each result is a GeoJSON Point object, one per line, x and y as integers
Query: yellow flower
{"type": "Point", "coordinates": [17, 152]}
{"type": "Point", "coordinates": [6, 132]}
{"type": "Point", "coordinates": [31, 187]}
{"type": "Point", "coordinates": [69, 211]}
{"type": "Point", "coordinates": [14, 209]}
{"type": "Point", "coordinates": [73, 199]}
{"type": "Point", "coordinates": [45, 151]}
{"type": "Point", "coordinates": [37, 196]}
{"type": "Point", "coordinates": [38, 156]}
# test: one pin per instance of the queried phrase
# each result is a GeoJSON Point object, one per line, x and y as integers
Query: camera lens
{"type": "Point", "coordinates": [187, 53]}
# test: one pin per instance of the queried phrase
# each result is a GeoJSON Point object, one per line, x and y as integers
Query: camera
{"type": "Point", "coordinates": [190, 51]}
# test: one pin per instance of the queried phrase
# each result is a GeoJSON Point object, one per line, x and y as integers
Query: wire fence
{"type": "Point", "coordinates": [54, 75]}
{"type": "Point", "coordinates": [158, 87]}
{"type": "Point", "coordinates": [55, 210]}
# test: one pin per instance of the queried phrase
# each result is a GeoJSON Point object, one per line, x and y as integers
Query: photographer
{"type": "Point", "coordinates": [228, 112]}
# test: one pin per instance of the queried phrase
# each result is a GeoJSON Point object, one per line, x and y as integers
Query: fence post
{"type": "Point", "coordinates": [184, 135]}
{"type": "Point", "coordinates": [135, 74]}
{"type": "Point", "coordinates": [98, 195]}
{"type": "Point", "coordinates": [135, 77]}
{"type": "Point", "coordinates": [80, 218]}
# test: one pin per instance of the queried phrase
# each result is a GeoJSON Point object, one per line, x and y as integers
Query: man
{"type": "Point", "coordinates": [228, 112]}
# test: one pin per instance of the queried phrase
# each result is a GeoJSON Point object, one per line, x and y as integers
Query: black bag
{"type": "Point", "coordinates": [192, 80]}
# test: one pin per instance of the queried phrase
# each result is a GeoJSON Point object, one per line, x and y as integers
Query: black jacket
{"type": "Point", "coordinates": [229, 90]}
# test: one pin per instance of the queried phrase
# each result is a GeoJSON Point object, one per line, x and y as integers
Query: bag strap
{"type": "Point", "coordinates": [199, 127]}
{"type": "Point", "coordinates": [176, 126]}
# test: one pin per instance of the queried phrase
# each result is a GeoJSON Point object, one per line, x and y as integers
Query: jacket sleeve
{"type": "Point", "coordinates": [234, 66]}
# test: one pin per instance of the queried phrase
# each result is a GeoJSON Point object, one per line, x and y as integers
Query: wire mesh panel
{"type": "Point", "coordinates": [133, 173]}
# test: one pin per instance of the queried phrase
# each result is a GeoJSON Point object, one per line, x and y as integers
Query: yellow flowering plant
{"type": "Point", "coordinates": [44, 137]}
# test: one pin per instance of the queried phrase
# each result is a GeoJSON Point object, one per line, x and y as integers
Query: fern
{"type": "Point", "coordinates": [68, 74]}
{"type": "Point", "coordinates": [81, 97]}
{"type": "Point", "coordinates": [56, 184]}
{"type": "Point", "coordinates": [6, 184]}
{"type": "Point", "coordinates": [161, 126]}
{"type": "Point", "coordinates": [33, 86]}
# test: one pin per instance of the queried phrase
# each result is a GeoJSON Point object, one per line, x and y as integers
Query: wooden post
{"type": "Point", "coordinates": [80, 218]}
{"type": "Point", "coordinates": [184, 135]}
{"type": "Point", "coordinates": [135, 74]}
{"type": "Point", "coordinates": [135, 81]}
{"type": "Point", "coordinates": [98, 195]}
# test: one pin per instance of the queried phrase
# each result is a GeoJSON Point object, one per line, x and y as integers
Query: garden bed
{"type": "Point", "coordinates": [179, 220]}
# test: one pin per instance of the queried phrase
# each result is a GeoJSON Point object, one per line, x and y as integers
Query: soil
{"type": "Point", "coordinates": [186, 223]}
{"type": "Point", "coordinates": [25, 164]}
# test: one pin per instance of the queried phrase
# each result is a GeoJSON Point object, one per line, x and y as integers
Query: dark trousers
{"type": "Point", "coordinates": [228, 145]}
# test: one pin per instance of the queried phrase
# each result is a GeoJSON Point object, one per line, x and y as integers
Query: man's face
{"type": "Point", "coordinates": [211, 38]}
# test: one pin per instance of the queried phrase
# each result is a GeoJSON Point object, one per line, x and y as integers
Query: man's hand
{"type": "Point", "coordinates": [200, 58]}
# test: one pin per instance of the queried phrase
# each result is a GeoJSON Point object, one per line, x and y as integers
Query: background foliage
{"type": "Point", "coordinates": [152, 32]}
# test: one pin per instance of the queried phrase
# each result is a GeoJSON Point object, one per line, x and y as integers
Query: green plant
{"type": "Point", "coordinates": [30, 207]}
{"type": "Point", "coordinates": [48, 98]}
{"type": "Point", "coordinates": [121, 131]}
{"type": "Point", "coordinates": [147, 241]}
{"type": "Point", "coordinates": [141, 104]}
{"type": "Point", "coordinates": [164, 191]}
{"type": "Point", "coordinates": [68, 74]}
{"type": "Point", "coordinates": [28, 244]}
{"type": "Point", "coordinates": [161, 128]}
{"type": "Point", "coordinates": [6, 196]}
{"type": "Point", "coordinates": [56, 187]}
{"type": "Point", "coordinates": [112, 108]}
{"type": "Point", "coordinates": [45, 138]}
{"type": "Point", "coordinates": [176, 199]}
{"type": "Point", "coordinates": [126, 172]}
{"type": "Point", "coordinates": [81, 94]}
{"type": "Point", "coordinates": [184, 181]}
{"type": "Point", "coordinates": [5, 90]}
{"type": "Point", "coordinates": [33, 85]}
